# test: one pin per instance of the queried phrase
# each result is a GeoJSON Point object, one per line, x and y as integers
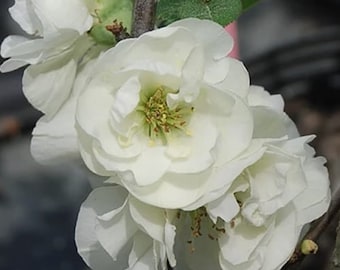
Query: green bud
{"type": "Point", "coordinates": [309, 247]}
{"type": "Point", "coordinates": [107, 13]}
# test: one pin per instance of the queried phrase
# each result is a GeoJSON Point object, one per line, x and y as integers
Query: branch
{"type": "Point", "coordinates": [334, 263]}
{"type": "Point", "coordinates": [316, 230]}
{"type": "Point", "coordinates": [144, 15]}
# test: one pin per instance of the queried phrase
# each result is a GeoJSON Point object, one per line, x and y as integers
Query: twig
{"type": "Point", "coordinates": [316, 230]}
{"type": "Point", "coordinates": [144, 15]}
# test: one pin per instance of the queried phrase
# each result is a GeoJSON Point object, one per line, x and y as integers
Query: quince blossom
{"type": "Point", "coordinates": [175, 119]}
{"type": "Point", "coordinates": [168, 112]}
{"type": "Point", "coordinates": [257, 222]}
{"type": "Point", "coordinates": [57, 45]}
{"type": "Point", "coordinates": [267, 206]}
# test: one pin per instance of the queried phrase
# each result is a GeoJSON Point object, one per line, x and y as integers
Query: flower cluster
{"type": "Point", "coordinates": [202, 170]}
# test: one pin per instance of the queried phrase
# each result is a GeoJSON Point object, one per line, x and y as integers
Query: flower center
{"type": "Point", "coordinates": [160, 121]}
{"type": "Point", "coordinates": [202, 225]}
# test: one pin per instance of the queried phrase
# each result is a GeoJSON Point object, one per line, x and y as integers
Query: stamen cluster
{"type": "Point", "coordinates": [159, 119]}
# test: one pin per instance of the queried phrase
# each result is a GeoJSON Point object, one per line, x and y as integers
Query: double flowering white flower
{"type": "Point", "coordinates": [54, 50]}
{"type": "Point", "coordinates": [211, 173]}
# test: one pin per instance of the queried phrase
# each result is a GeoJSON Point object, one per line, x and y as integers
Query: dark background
{"type": "Point", "coordinates": [290, 47]}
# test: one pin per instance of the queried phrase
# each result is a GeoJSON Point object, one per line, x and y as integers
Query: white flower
{"type": "Point", "coordinates": [168, 111]}
{"type": "Point", "coordinates": [116, 231]}
{"type": "Point", "coordinates": [268, 204]}
{"type": "Point", "coordinates": [57, 44]}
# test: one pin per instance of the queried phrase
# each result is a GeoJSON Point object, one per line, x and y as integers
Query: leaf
{"type": "Point", "coordinates": [220, 11]}
{"type": "Point", "coordinates": [248, 3]}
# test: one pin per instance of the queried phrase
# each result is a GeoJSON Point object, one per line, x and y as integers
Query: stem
{"type": "Point", "coordinates": [316, 230]}
{"type": "Point", "coordinates": [144, 15]}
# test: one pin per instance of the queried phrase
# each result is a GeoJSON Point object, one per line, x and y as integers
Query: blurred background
{"type": "Point", "coordinates": [290, 47]}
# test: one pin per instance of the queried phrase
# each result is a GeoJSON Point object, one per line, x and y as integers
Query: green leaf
{"type": "Point", "coordinates": [248, 3]}
{"type": "Point", "coordinates": [220, 11]}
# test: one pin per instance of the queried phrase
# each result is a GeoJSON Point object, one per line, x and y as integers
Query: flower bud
{"type": "Point", "coordinates": [309, 247]}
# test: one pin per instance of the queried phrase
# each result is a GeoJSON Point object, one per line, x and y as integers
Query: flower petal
{"type": "Point", "coordinates": [55, 139]}
{"type": "Point", "coordinates": [222, 177]}
{"type": "Point", "coordinates": [268, 123]}
{"type": "Point", "coordinates": [282, 178]}
{"type": "Point", "coordinates": [235, 128]}
{"type": "Point", "coordinates": [140, 171]}
{"type": "Point", "coordinates": [227, 207]}
{"type": "Point", "coordinates": [126, 99]}
{"type": "Point", "coordinates": [47, 87]}
{"type": "Point", "coordinates": [141, 256]}
{"type": "Point", "coordinates": [202, 139]}
{"type": "Point", "coordinates": [98, 202]}
{"type": "Point", "coordinates": [161, 193]}
{"type": "Point", "coordinates": [238, 244]}
{"type": "Point", "coordinates": [283, 240]}
{"type": "Point", "coordinates": [116, 224]}
{"type": "Point", "coordinates": [237, 79]}
{"type": "Point", "coordinates": [23, 14]}
{"type": "Point", "coordinates": [53, 15]}
{"type": "Point", "coordinates": [214, 38]}
{"type": "Point", "coordinates": [151, 219]}
{"type": "Point", "coordinates": [315, 199]}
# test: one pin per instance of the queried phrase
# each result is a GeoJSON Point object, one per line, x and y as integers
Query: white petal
{"type": "Point", "coordinates": [159, 253]}
{"type": "Point", "coordinates": [116, 146]}
{"type": "Point", "coordinates": [49, 46]}
{"type": "Point", "coordinates": [237, 79]}
{"type": "Point", "coordinates": [151, 219]}
{"type": "Point", "coordinates": [55, 139]}
{"type": "Point", "coordinates": [241, 241]}
{"type": "Point", "coordinates": [223, 176]}
{"type": "Point", "coordinates": [214, 38]}
{"type": "Point", "coordinates": [126, 99]}
{"type": "Point", "coordinates": [98, 202]}
{"type": "Point", "coordinates": [283, 240]}
{"type": "Point", "coordinates": [235, 128]}
{"type": "Point", "coordinates": [169, 239]}
{"type": "Point", "coordinates": [141, 256]}
{"type": "Point", "coordinates": [94, 106]}
{"type": "Point", "coordinates": [115, 233]}
{"type": "Point", "coordinates": [227, 207]}
{"type": "Point", "coordinates": [315, 199]}
{"type": "Point", "coordinates": [268, 123]}
{"type": "Point", "coordinates": [298, 146]}
{"type": "Point", "coordinates": [200, 142]}
{"type": "Point", "coordinates": [216, 71]}
{"type": "Point", "coordinates": [142, 167]}
{"type": "Point", "coordinates": [150, 166]}
{"type": "Point", "coordinates": [192, 73]}
{"type": "Point", "coordinates": [161, 193]}
{"type": "Point", "coordinates": [260, 97]}
{"type": "Point", "coordinates": [47, 86]}
{"type": "Point", "coordinates": [10, 43]}
{"type": "Point", "coordinates": [54, 15]}
{"type": "Point", "coordinates": [13, 64]}
{"type": "Point", "coordinates": [282, 178]}
{"type": "Point", "coordinates": [176, 42]}
{"type": "Point", "coordinates": [255, 264]}
{"type": "Point", "coordinates": [23, 14]}
{"type": "Point", "coordinates": [93, 116]}
{"type": "Point", "coordinates": [86, 151]}
{"type": "Point", "coordinates": [115, 228]}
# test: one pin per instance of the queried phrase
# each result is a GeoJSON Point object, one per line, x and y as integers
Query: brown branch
{"type": "Point", "coordinates": [144, 15]}
{"type": "Point", "coordinates": [317, 228]}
